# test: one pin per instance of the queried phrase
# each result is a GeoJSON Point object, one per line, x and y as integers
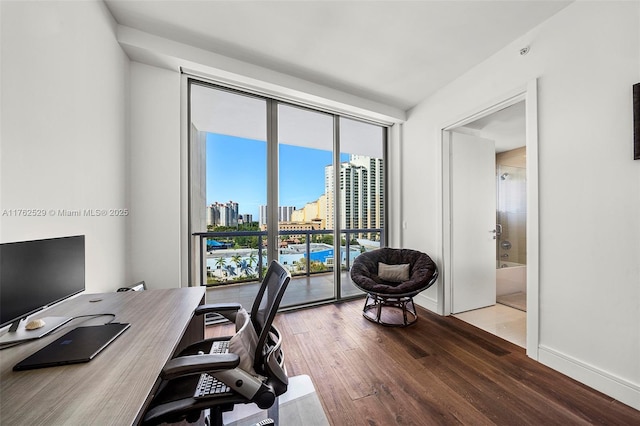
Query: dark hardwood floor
{"type": "Point", "coordinates": [439, 371]}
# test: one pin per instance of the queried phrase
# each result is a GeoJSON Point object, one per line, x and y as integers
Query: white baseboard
{"type": "Point", "coordinates": [620, 389]}
{"type": "Point", "coordinates": [426, 302]}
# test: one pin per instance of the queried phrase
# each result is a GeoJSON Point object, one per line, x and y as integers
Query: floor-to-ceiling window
{"type": "Point", "coordinates": [306, 246]}
{"type": "Point", "coordinates": [361, 192]}
{"type": "Point", "coordinates": [270, 179]}
{"type": "Point", "coordinates": [228, 184]}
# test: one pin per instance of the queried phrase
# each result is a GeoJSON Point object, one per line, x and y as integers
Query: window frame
{"type": "Point", "coordinates": [272, 103]}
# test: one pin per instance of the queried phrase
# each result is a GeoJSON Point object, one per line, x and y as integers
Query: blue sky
{"type": "Point", "coordinates": [236, 170]}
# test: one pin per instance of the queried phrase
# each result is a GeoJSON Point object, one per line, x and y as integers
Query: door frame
{"type": "Point", "coordinates": [528, 94]}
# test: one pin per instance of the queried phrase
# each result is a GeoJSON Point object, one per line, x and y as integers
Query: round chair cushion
{"type": "Point", "coordinates": [422, 271]}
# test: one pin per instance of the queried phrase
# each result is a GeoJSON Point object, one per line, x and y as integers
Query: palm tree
{"type": "Point", "coordinates": [252, 259]}
{"type": "Point", "coordinates": [245, 267]}
{"type": "Point", "coordinates": [236, 259]}
{"type": "Point", "coordinates": [230, 270]}
{"type": "Point", "coordinates": [221, 262]}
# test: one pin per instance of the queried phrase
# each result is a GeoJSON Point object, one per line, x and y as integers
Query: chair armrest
{"type": "Point", "coordinates": [217, 307]}
{"type": "Point", "coordinates": [198, 364]}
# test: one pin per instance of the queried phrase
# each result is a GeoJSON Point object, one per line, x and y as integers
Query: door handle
{"type": "Point", "coordinates": [497, 232]}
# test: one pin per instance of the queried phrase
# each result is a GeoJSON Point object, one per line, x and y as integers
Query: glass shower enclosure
{"type": "Point", "coordinates": [511, 216]}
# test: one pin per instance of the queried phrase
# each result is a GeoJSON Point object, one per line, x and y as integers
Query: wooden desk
{"type": "Point", "coordinates": [116, 386]}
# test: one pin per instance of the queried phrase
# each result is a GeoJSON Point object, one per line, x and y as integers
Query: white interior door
{"type": "Point", "coordinates": [473, 221]}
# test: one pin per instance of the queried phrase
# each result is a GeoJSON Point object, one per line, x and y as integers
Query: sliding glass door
{"type": "Point", "coordinates": [306, 246]}
{"type": "Point", "coordinates": [228, 186]}
{"type": "Point", "coordinates": [361, 193]}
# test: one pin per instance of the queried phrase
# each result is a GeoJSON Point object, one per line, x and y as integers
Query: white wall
{"type": "Point", "coordinates": [64, 132]}
{"type": "Point", "coordinates": [154, 161]}
{"type": "Point", "coordinates": [586, 58]}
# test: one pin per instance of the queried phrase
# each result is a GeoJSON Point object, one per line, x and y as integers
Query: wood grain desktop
{"type": "Point", "coordinates": [116, 386]}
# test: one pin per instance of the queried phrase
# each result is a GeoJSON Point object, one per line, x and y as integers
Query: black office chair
{"type": "Point", "coordinates": [253, 369]}
{"type": "Point", "coordinates": [139, 286]}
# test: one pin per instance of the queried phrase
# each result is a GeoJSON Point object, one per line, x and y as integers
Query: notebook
{"type": "Point", "coordinates": [81, 344]}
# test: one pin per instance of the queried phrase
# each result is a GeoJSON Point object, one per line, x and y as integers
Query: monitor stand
{"type": "Point", "coordinates": [22, 334]}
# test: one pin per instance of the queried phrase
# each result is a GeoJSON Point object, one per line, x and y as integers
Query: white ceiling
{"type": "Point", "coordinates": [226, 113]}
{"type": "Point", "coordinates": [392, 52]}
{"type": "Point", "coordinates": [507, 127]}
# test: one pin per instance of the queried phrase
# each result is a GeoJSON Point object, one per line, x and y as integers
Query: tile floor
{"type": "Point", "coordinates": [503, 321]}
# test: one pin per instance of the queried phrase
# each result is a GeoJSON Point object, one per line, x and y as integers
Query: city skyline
{"type": "Point", "coordinates": [243, 181]}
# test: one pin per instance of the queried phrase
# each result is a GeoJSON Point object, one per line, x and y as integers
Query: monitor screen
{"type": "Point", "coordinates": [35, 274]}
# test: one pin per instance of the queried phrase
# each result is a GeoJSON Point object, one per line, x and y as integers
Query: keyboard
{"type": "Point", "coordinates": [208, 385]}
{"type": "Point", "coordinates": [220, 347]}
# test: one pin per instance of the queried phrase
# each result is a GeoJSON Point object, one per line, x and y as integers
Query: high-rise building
{"type": "Point", "coordinates": [263, 216]}
{"type": "Point", "coordinates": [373, 186]}
{"type": "Point", "coordinates": [284, 214]}
{"type": "Point", "coordinates": [361, 193]}
{"type": "Point", "coordinates": [213, 215]}
{"type": "Point", "coordinates": [313, 212]}
{"type": "Point", "coordinates": [226, 214]}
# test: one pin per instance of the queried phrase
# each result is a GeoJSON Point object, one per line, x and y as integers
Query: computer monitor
{"type": "Point", "coordinates": [37, 274]}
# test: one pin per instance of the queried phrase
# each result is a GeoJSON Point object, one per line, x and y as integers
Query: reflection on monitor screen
{"type": "Point", "coordinates": [36, 274]}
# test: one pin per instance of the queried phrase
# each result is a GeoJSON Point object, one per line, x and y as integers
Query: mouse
{"type": "Point", "coordinates": [35, 324]}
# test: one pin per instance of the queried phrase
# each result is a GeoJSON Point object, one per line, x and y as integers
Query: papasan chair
{"type": "Point", "coordinates": [391, 277]}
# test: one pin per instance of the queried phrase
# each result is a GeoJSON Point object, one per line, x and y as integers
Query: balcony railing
{"type": "Point", "coordinates": [240, 256]}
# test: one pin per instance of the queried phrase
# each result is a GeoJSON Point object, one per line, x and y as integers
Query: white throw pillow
{"type": "Point", "coordinates": [393, 273]}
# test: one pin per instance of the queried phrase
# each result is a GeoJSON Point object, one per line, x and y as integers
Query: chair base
{"type": "Point", "coordinates": [381, 309]}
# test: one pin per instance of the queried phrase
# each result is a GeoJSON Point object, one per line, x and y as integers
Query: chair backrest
{"type": "Point", "coordinates": [265, 306]}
